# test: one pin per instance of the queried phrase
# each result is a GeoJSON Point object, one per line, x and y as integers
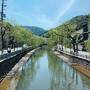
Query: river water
{"type": "Point", "coordinates": [45, 71]}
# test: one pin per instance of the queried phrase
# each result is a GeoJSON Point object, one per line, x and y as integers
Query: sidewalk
{"type": "Point", "coordinates": [80, 54]}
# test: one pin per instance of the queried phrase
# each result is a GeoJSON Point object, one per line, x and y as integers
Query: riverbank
{"type": "Point", "coordinates": [14, 74]}
{"type": "Point", "coordinates": [80, 54]}
{"type": "Point", "coordinates": [78, 66]}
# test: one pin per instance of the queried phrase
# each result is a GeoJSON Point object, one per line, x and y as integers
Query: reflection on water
{"type": "Point", "coordinates": [44, 71]}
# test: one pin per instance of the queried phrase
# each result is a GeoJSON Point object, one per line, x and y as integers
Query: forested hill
{"type": "Point", "coordinates": [71, 24]}
{"type": "Point", "coordinates": [62, 32]}
{"type": "Point", "coordinates": [78, 20]}
{"type": "Point", "coordinates": [36, 30]}
{"type": "Point", "coordinates": [17, 35]}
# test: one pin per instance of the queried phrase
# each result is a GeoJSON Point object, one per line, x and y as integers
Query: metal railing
{"type": "Point", "coordinates": [12, 54]}
{"type": "Point", "coordinates": [79, 54]}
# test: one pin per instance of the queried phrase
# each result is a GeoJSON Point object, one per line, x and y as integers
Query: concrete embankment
{"type": "Point", "coordinates": [8, 61]}
{"type": "Point", "coordinates": [12, 78]}
{"type": "Point", "coordinates": [80, 65]}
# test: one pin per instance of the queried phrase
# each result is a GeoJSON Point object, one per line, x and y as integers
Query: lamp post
{"type": "Point", "coordinates": [2, 30]}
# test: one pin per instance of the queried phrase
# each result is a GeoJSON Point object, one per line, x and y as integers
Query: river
{"type": "Point", "coordinates": [45, 71]}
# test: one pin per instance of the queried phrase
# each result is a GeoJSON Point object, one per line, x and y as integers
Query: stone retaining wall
{"type": "Point", "coordinates": [11, 80]}
{"type": "Point", "coordinates": [80, 65]}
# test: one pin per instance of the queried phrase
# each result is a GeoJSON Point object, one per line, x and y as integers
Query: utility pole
{"type": "Point", "coordinates": [2, 17]}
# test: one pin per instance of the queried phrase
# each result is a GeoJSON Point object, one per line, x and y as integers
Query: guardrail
{"type": "Point", "coordinates": [13, 54]}
{"type": "Point", "coordinates": [79, 54]}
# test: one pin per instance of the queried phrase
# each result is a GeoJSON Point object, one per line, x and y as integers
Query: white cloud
{"type": "Point", "coordinates": [50, 23]}
{"type": "Point", "coordinates": [69, 5]}
{"type": "Point", "coordinates": [42, 19]}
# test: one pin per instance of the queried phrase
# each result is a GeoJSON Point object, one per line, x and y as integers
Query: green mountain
{"type": "Point", "coordinates": [62, 33]}
{"type": "Point", "coordinates": [71, 25]}
{"type": "Point", "coordinates": [36, 30]}
{"type": "Point", "coordinates": [17, 36]}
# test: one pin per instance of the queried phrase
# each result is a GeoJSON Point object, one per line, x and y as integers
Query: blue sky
{"type": "Point", "coordinates": [45, 13]}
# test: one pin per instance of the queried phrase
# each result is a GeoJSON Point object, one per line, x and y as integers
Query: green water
{"type": "Point", "coordinates": [45, 71]}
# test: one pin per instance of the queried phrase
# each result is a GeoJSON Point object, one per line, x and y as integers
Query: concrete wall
{"type": "Point", "coordinates": [9, 63]}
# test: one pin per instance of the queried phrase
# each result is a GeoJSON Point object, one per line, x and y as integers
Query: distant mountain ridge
{"type": "Point", "coordinates": [36, 30]}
